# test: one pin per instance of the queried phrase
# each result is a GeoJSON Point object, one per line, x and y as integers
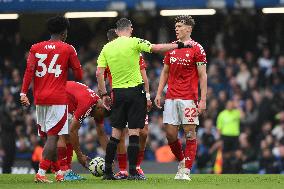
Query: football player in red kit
{"type": "Point", "coordinates": [82, 102]}
{"type": "Point", "coordinates": [183, 68]}
{"type": "Point", "coordinates": [47, 64]}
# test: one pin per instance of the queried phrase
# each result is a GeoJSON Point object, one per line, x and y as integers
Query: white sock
{"type": "Point", "coordinates": [59, 172]}
{"type": "Point", "coordinates": [41, 172]}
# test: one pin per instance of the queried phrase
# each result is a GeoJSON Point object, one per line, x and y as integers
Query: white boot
{"type": "Point", "coordinates": [186, 174]}
{"type": "Point", "coordinates": [180, 171]}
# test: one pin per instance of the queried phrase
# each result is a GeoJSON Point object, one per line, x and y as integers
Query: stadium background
{"type": "Point", "coordinates": [245, 63]}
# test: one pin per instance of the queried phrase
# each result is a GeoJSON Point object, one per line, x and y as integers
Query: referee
{"type": "Point", "coordinates": [129, 98]}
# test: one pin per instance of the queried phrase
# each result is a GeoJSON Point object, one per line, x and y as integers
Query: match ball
{"type": "Point", "coordinates": [97, 166]}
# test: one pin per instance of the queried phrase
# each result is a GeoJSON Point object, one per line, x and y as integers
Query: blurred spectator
{"type": "Point", "coordinates": [228, 124]}
{"type": "Point", "coordinates": [8, 138]}
{"type": "Point", "coordinates": [207, 146]}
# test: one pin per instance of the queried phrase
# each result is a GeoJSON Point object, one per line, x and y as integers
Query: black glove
{"type": "Point", "coordinates": [181, 45]}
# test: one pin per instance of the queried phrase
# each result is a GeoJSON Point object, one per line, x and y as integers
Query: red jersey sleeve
{"type": "Point", "coordinates": [74, 63]}
{"type": "Point", "coordinates": [30, 70]}
{"type": "Point", "coordinates": [200, 55]}
{"type": "Point", "coordinates": [106, 73]}
{"type": "Point", "coordinates": [167, 58]}
{"type": "Point", "coordinates": [142, 63]}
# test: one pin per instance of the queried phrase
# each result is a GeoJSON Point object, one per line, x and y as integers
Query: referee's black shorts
{"type": "Point", "coordinates": [129, 106]}
{"type": "Point", "coordinates": [230, 143]}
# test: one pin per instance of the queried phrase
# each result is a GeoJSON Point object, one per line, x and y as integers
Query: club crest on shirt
{"type": "Point", "coordinates": [173, 60]}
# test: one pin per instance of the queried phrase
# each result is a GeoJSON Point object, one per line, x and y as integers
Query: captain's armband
{"type": "Point", "coordinates": [200, 63]}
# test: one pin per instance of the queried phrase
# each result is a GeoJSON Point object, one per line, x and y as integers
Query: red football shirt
{"type": "Point", "coordinates": [183, 73]}
{"type": "Point", "coordinates": [142, 64]}
{"type": "Point", "coordinates": [48, 63]}
{"type": "Point", "coordinates": [81, 99]}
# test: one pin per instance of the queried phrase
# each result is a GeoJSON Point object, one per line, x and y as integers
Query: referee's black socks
{"type": "Point", "coordinates": [132, 151]}
{"type": "Point", "coordinates": [110, 154]}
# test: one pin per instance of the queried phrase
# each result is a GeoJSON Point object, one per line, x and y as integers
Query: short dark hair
{"type": "Point", "coordinates": [185, 19]}
{"type": "Point", "coordinates": [111, 34]}
{"type": "Point", "coordinates": [57, 24]}
{"type": "Point", "coordinates": [123, 23]}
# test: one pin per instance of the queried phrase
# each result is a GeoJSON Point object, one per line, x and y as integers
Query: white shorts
{"type": "Point", "coordinates": [52, 120]}
{"type": "Point", "coordinates": [180, 112]}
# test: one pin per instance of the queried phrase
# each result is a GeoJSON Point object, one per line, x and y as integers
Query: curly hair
{"type": "Point", "coordinates": [57, 24]}
{"type": "Point", "coordinates": [185, 19]}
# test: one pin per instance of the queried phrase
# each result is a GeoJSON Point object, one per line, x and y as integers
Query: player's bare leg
{"type": "Point", "coordinates": [49, 155]}
{"type": "Point", "coordinates": [142, 143]}
{"type": "Point", "coordinates": [103, 139]}
{"type": "Point", "coordinates": [176, 148]}
{"type": "Point", "coordinates": [190, 149]}
{"type": "Point", "coordinates": [122, 157]}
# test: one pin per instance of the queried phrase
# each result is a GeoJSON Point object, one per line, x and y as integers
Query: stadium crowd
{"type": "Point", "coordinates": [245, 67]}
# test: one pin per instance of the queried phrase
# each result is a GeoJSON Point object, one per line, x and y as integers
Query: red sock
{"type": "Point", "coordinates": [177, 149]}
{"type": "Point", "coordinates": [122, 162]}
{"type": "Point", "coordinates": [55, 166]}
{"type": "Point", "coordinates": [190, 152]}
{"type": "Point", "coordinates": [62, 158]}
{"type": "Point", "coordinates": [45, 164]}
{"type": "Point", "coordinates": [69, 153]}
{"type": "Point", "coordinates": [140, 158]}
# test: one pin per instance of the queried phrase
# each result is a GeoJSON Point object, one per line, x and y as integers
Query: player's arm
{"type": "Point", "coordinates": [200, 60]}
{"type": "Point", "coordinates": [163, 81]}
{"type": "Point", "coordinates": [74, 138]}
{"type": "Point", "coordinates": [29, 74]}
{"type": "Point", "coordinates": [75, 64]}
{"type": "Point", "coordinates": [201, 67]}
{"type": "Point", "coordinates": [147, 88]}
{"type": "Point", "coordinates": [101, 80]}
{"type": "Point", "coordinates": [102, 64]}
{"type": "Point", "coordinates": [146, 46]}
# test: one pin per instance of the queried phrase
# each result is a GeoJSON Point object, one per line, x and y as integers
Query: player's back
{"type": "Point", "coordinates": [79, 94]}
{"type": "Point", "coordinates": [51, 69]}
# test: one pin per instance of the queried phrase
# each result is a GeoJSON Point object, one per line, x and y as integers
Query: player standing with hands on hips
{"type": "Point", "coordinates": [48, 63]}
{"type": "Point", "coordinates": [129, 98]}
{"type": "Point", "coordinates": [182, 70]}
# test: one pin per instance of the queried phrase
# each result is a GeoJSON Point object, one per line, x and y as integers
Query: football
{"type": "Point", "coordinates": [97, 166]}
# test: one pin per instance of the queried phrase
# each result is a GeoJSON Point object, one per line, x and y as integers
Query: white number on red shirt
{"type": "Point", "coordinates": [56, 71]}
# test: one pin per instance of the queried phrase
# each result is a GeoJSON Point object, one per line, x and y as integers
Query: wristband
{"type": "Point", "coordinates": [148, 96]}
{"type": "Point", "coordinates": [180, 44]}
{"type": "Point", "coordinates": [23, 94]}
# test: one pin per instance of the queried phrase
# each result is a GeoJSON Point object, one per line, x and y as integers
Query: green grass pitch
{"type": "Point", "coordinates": [154, 181]}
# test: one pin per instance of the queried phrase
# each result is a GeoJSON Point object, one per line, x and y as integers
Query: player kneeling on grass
{"type": "Point", "coordinates": [82, 102]}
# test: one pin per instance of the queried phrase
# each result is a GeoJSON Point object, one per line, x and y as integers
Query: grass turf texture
{"type": "Point", "coordinates": [161, 181]}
